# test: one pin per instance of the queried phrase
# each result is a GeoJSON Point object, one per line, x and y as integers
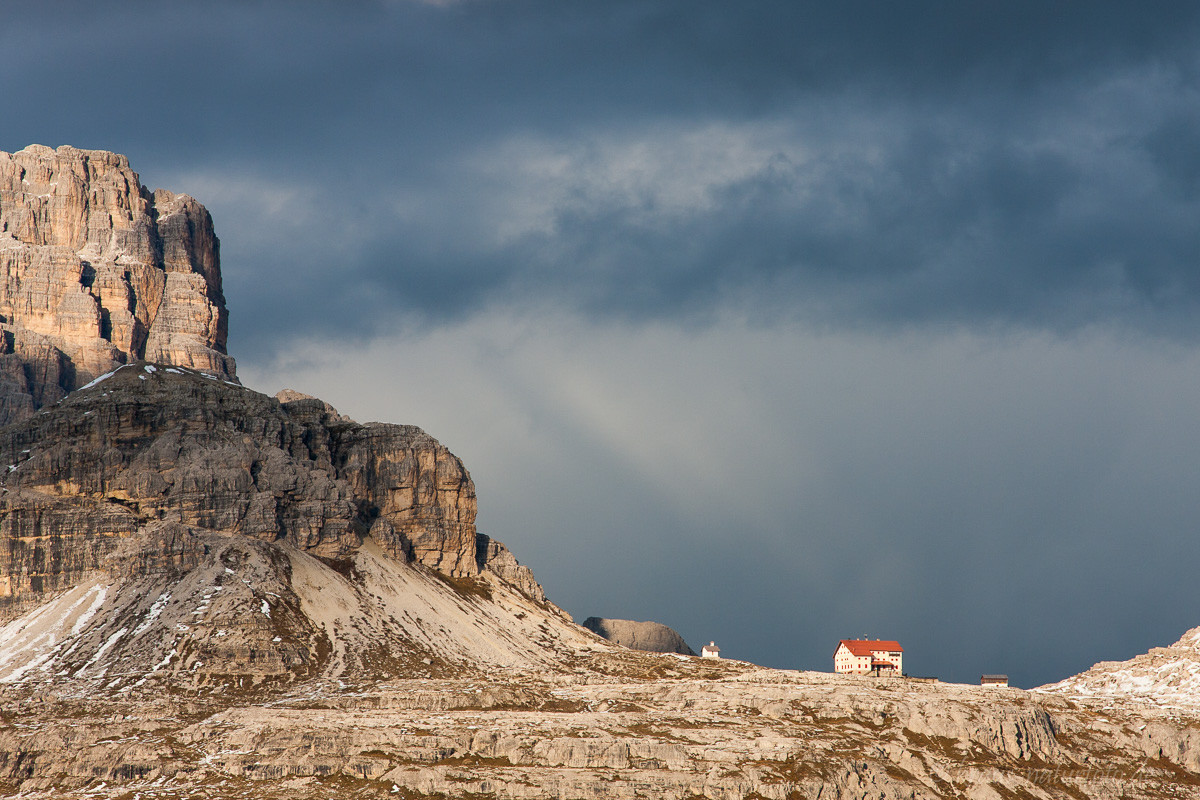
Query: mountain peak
{"type": "Point", "coordinates": [162, 481]}
{"type": "Point", "coordinates": [97, 271]}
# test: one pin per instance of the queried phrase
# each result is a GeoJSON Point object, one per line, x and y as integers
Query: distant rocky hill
{"type": "Point", "coordinates": [1168, 677]}
{"type": "Point", "coordinates": [97, 271]}
{"type": "Point", "coordinates": [652, 637]}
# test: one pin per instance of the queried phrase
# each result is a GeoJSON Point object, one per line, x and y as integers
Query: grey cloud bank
{"type": "Point", "coordinates": [793, 291]}
{"type": "Point", "coordinates": [1009, 162]}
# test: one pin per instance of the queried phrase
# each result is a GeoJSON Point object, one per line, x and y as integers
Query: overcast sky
{"type": "Point", "coordinates": [777, 322]}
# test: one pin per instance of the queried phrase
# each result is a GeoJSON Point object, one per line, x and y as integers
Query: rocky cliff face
{"type": "Point", "coordinates": [162, 454]}
{"type": "Point", "coordinates": [140, 494]}
{"type": "Point", "coordinates": [652, 637]}
{"type": "Point", "coordinates": [97, 271]}
{"type": "Point", "coordinates": [250, 516]}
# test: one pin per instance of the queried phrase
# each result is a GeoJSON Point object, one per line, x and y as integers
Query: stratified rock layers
{"type": "Point", "coordinates": [1165, 676]}
{"type": "Point", "coordinates": [97, 271]}
{"type": "Point", "coordinates": [155, 460]}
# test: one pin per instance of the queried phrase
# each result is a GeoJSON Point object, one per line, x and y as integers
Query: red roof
{"type": "Point", "coordinates": [864, 647]}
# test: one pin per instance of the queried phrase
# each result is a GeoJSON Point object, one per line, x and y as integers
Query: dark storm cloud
{"type": "Point", "coordinates": [1027, 162]}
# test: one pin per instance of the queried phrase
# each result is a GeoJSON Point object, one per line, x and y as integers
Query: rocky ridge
{"type": "Point", "coordinates": [604, 722]}
{"type": "Point", "coordinates": [1168, 677]}
{"type": "Point", "coordinates": [166, 482]}
{"type": "Point", "coordinates": [98, 271]}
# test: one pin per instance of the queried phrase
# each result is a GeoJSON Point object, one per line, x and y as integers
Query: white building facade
{"type": "Point", "coordinates": [869, 657]}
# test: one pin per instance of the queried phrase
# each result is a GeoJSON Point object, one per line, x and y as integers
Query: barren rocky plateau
{"type": "Point", "coordinates": [206, 592]}
{"type": "Point", "coordinates": [603, 722]}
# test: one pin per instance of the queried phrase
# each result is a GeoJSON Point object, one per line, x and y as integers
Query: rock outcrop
{"type": "Point", "coordinates": [97, 271]}
{"type": "Point", "coordinates": [1165, 676]}
{"type": "Point", "coordinates": [160, 481]}
{"type": "Point", "coordinates": [652, 637]}
{"type": "Point", "coordinates": [611, 723]}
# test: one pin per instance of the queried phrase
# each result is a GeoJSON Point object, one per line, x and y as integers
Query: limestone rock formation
{"type": "Point", "coordinates": [97, 271]}
{"type": "Point", "coordinates": [162, 481]}
{"type": "Point", "coordinates": [606, 723]}
{"type": "Point", "coordinates": [1165, 676]}
{"type": "Point", "coordinates": [652, 637]}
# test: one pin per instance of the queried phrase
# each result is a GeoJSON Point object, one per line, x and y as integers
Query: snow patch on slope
{"type": "Point", "coordinates": [34, 639]}
{"type": "Point", "coordinates": [1165, 676]}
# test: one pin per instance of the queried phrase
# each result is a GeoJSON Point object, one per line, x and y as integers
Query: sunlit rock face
{"type": "Point", "coordinates": [208, 533]}
{"type": "Point", "coordinates": [97, 271]}
{"type": "Point", "coordinates": [141, 481]}
{"type": "Point", "coordinates": [1165, 676]}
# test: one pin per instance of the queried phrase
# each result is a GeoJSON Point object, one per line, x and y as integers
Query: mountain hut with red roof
{"type": "Point", "coordinates": [868, 657]}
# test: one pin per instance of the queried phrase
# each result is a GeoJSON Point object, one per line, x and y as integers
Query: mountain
{"type": "Point", "coordinates": [185, 528]}
{"type": "Point", "coordinates": [97, 271]}
{"type": "Point", "coordinates": [209, 592]}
